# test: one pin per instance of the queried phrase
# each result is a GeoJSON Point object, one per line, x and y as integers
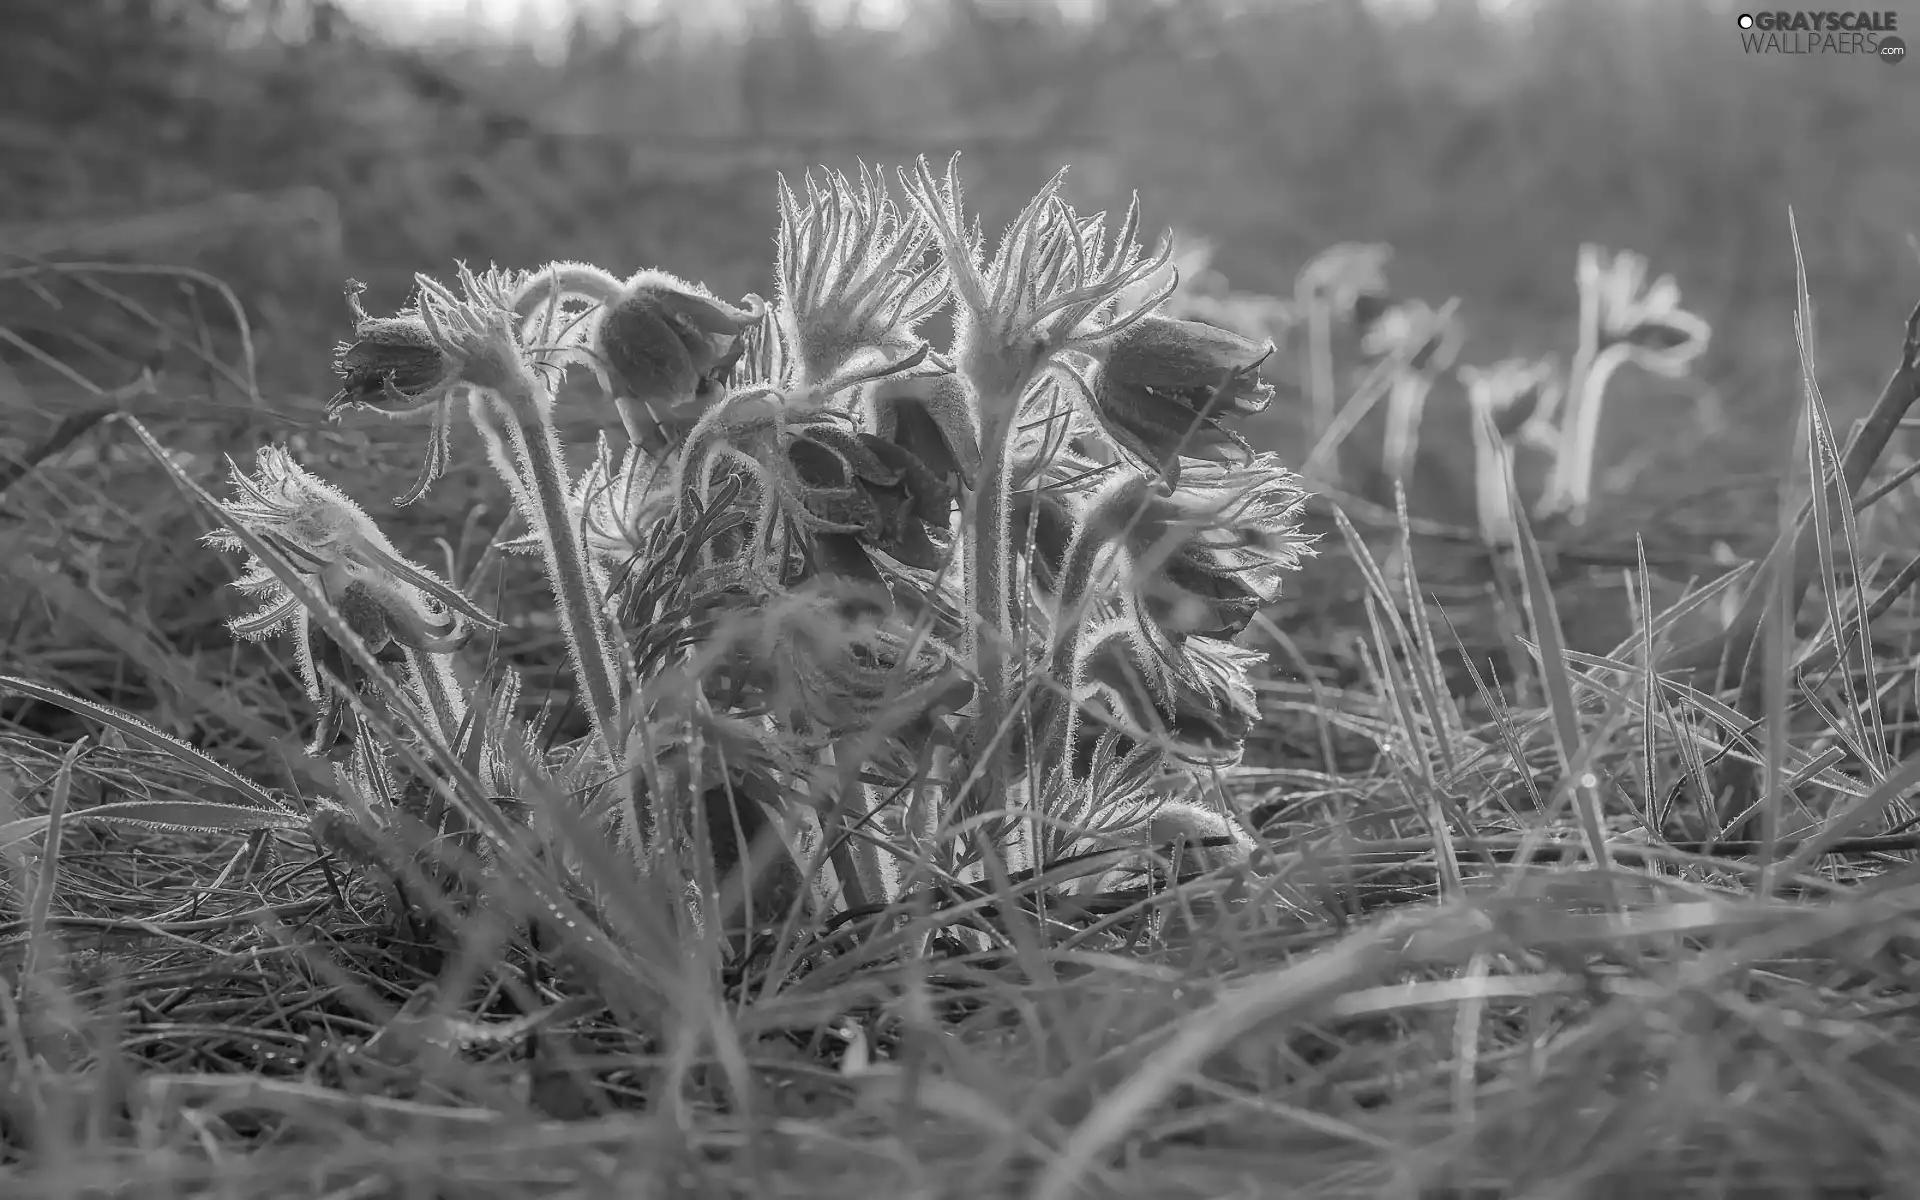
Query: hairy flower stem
{"type": "Point", "coordinates": [559, 283]}
{"type": "Point", "coordinates": [438, 693]}
{"type": "Point", "coordinates": [539, 482]}
{"type": "Point", "coordinates": [988, 578]}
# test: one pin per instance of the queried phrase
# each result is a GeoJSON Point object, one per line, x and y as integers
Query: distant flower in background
{"type": "Point", "coordinates": [1348, 279]}
{"type": "Point", "coordinates": [1623, 319]}
{"type": "Point", "coordinates": [1513, 404]}
{"type": "Point", "coordinates": [1343, 284]}
{"type": "Point", "coordinates": [1424, 342]}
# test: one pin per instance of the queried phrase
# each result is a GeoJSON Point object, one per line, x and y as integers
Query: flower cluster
{"type": "Point", "coordinates": [1402, 349]}
{"type": "Point", "coordinates": [1011, 569]}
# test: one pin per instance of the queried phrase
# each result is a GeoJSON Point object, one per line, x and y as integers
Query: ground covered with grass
{"type": "Point", "coordinates": [1568, 857]}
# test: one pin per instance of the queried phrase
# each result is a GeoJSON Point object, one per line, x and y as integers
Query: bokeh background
{"type": "Point", "coordinates": [1483, 139]}
{"type": "Point", "coordinates": [284, 146]}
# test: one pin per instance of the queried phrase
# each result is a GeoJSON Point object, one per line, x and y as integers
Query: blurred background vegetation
{"type": "Point", "coordinates": [284, 146]}
{"type": "Point", "coordinates": [1483, 145]}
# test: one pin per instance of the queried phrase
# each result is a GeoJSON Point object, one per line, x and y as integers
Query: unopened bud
{"type": "Point", "coordinates": [670, 342]}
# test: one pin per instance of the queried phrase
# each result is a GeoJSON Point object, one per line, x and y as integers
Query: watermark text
{"type": "Point", "coordinates": [1867, 34]}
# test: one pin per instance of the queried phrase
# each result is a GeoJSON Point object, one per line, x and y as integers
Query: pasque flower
{"type": "Point", "coordinates": [1622, 308]}
{"type": "Point", "coordinates": [668, 345]}
{"type": "Point", "coordinates": [1423, 342]}
{"type": "Point", "coordinates": [1344, 285]}
{"type": "Point", "coordinates": [1047, 291]}
{"type": "Point", "coordinates": [855, 275]}
{"type": "Point", "coordinates": [1623, 319]}
{"type": "Point", "coordinates": [1512, 405]}
{"type": "Point", "coordinates": [859, 483]}
{"type": "Point", "coordinates": [1160, 387]}
{"type": "Point", "coordinates": [479, 331]}
{"type": "Point", "coordinates": [398, 608]}
{"type": "Point", "coordinates": [1193, 697]}
{"type": "Point", "coordinates": [1349, 279]}
{"type": "Point", "coordinates": [392, 362]}
{"type": "Point", "coordinates": [1055, 494]}
{"type": "Point", "coordinates": [1202, 560]}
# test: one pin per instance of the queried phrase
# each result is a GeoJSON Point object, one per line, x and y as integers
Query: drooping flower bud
{"type": "Point", "coordinates": [324, 535]}
{"type": "Point", "coordinates": [929, 417]}
{"type": "Point", "coordinates": [394, 606]}
{"type": "Point", "coordinates": [392, 364]}
{"type": "Point", "coordinates": [1522, 396]}
{"type": "Point", "coordinates": [1368, 308]}
{"type": "Point", "coordinates": [669, 343]}
{"type": "Point", "coordinates": [1160, 387]}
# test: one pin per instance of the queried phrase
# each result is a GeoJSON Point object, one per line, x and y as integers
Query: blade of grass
{"type": "Point", "coordinates": [137, 730]}
{"type": "Point", "coordinates": [1543, 614]}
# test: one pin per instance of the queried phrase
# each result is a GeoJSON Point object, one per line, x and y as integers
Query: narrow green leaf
{"type": "Point", "coordinates": [1537, 591]}
{"type": "Point", "coordinates": [133, 728]}
{"type": "Point", "coordinates": [187, 816]}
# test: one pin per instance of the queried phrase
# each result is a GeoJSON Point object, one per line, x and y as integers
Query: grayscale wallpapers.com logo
{"type": "Point", "coordinates": [1868, 34]}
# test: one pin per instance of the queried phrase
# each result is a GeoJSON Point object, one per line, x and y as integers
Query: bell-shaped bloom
{"type": "Point", "coordinates": [850, 482]}
{"type": "Point", "coordinates": [667, 345]}
{"type": "Point", "coordinates": [1160, 388]}
{"type": "Point", "coordinates": [392, 364]}
{"type": "Point", "coordinates": [930, 417]}
{"type": "Point", "coordinates": [855, 275]}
